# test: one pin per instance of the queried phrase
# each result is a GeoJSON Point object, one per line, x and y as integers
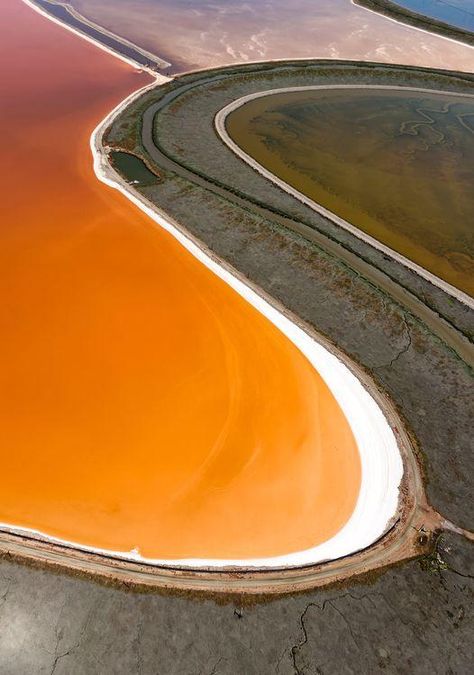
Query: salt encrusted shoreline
{"type": "Point", "coordinates": [382, 463]}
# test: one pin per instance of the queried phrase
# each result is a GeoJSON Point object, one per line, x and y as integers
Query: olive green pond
{"type": "Point", "coordinates": [399, 165]}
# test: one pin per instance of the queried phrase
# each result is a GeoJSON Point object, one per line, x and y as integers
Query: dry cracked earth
{"type": "Point", "coordinates": [413, 619]}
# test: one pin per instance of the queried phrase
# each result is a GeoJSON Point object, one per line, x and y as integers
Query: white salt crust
{"type": "Point", "coordinates": [381, 461]}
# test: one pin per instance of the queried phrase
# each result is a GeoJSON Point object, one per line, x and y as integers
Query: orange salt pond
{"type": "Point", "coordinates": [144, 404]}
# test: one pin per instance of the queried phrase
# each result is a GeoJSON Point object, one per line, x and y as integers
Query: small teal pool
{"type": "Point", "coordinates": [132, 168]}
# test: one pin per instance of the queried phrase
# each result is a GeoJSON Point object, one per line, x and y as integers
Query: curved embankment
{"type": "Point", "coordinates": [258, 417]}
{"type": "Point", "coordinates": [207, 163]}
{"type": "Point", "coordinates": [395, 11]}
{"type": "Point", "coordinates": [222, 129]}
{"type": "Point", "coordinates": [257, 227]}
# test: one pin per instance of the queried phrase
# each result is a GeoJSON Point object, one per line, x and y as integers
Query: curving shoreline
{"type": "Point", "coordinates": [401, 541]}
{"type": "Point", "coordinates": [382, 472]}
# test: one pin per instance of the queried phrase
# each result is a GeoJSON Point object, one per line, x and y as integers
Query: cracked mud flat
{"type": "Point", "coordinates": [416, 619]}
